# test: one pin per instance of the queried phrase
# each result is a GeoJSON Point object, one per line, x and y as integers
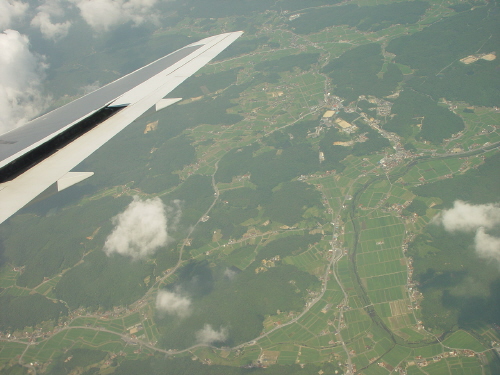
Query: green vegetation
{"type": "Point", "coordinates": [411, 109]}
{"type": "Point", "coordinates": [185, 365]}
{"type": "Point", "coordinates": [288, 204]}
{"type": "Point", "coordinates": [261, 295]}
{"type": "Point", "coordinates": [234, 163]}
{"type": "Point", "coordinates": [178, 152]}
{"type": "Point", "coordinates": [196, 195]}
{"type": "Point", "coordinates": [299, 130]}
{"type": "Point", "coordinates": [77, 358]}
{"type": "Point", "coordinates": [458, 286]}
{"type": "Point", "coordinates": [270, 168]}
{"type": "Point", "coordinates": [227, 220]}
{"type": "Point", "coordinates": [242, 197]}
{"type": "Point", "coordinates": [291, 245]}
{"type": "Point", "coordinates": [288, 63]}
{"type": "Point", "coordinates": [479, 185]}
{"type": "Point", "coordinates": [375, 142]}
{"type": "Point", "coordinates": [103, 282]}
{"type": "Point", "coordinates": [368, 18]}
{"type": "Point", "coordinates": [17, 312]}
{"type": "Point", "coordinates": [241, 257]}
{"type": "Point", "coordinates": [121, 164]}
{"type": "Point", "coordinates": [243, 47]}
{"type": "Point", "coordinates": [462, 340]}
{"type": "Point", "coordinates": [44, 253]}
{"type": "Point", "coordinates": [219, 8]}
{"type": "Point", "coordinates": [285, 205]}
{"type": "Point", "coordinates": [278, 140]}
{"type": "Point", "coordinates": [334, 154]}
{"type": "Point", "coordinates": [440, 73]}
{"type": "Point", "coordinates": [417, 206]}
{"type": "Point", "coordinates": [15, 370]}
{"type": "Point", "coordinates": [204, 84]}
{"type": "Point", "coordinates": [356, 73]}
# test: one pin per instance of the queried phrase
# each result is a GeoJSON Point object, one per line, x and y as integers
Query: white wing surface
{"type": "Point", "coordinates": [36, 159]}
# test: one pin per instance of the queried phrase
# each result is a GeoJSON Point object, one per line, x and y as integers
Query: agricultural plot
{"type": "Point", "coordinates": [482, 126]}
{"type": "Point", "coordinates": [412, 335]}
{"type": "Point", "coordinates": [46, 287]}
{"type": "Point", "coordinates": [8, 277]}
{"type": "Point", "coordinates": [298, 334]}
{"type": "Point", "coordinates": [397, 355]}
{"type": "Point", "coordinates": [357, 323]}
{"type": "Point", "coordinates": [463, 340]}
{"type": "Point", "coordinates": [372, 197]}
{"type": "Point", "coordinates": [370, 351]}
{"type": "Point", "coordinates": [428, 351]}
{"type": "Point", "coordinates": [9, 351]}
{"type": "Point", "coordinates": [432, 171]}
{"type": "Point", "coordinates": [311, 260]}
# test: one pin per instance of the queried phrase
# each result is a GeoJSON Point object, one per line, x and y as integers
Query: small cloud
{"type": "Point", "coordinates": [9, 11]}
{"type": "Point", "coordinates": [21, 75]}
{"type": "Point", "coordinates": [139, 230]}
{"type": "Point", "coordinates": [478, 218]}
{"type": "Point", "coordinates": [229, 273]}
{"type": "Point", "coordinates": [468, 217]}
{"type": "Point", "coordinates": [102, 15]}
{"type": "Point", "coordinates": [487, 246]}
{"type": "Point", "coordinates": [44, 20]}
{"type": "Point", "coordinates": [143, 228]}
{"type": "Point", "coordinates": [173, 303]}
{"type": "Point", "coordinates": [174, 213]}
{"type": "Point", "coordinates": [49, 30]}
{"type": "Point", "coordinates": [208, 335]}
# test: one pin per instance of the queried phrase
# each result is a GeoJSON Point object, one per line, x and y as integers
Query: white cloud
{"type": "Point", "coordinates": [229, 273]}
{"type": "Point", "coordinates": [208, 335]}
{"type": "Point", "coordinates": [143, 228]}
{"type": "Point", "coordinates": [21, 74]}
{"type": "Point", "coordinates": [468, 217]}
{"type": "Point", "coordinates": [140, 230]}
{"type": "Point", "coordinates": [174, 213]}
{"type": "Point", "coordinates": [173, 303]}
{"type": "Point", "coordinates": [43, 20]}
{"type": "Point", "coordinates": [10, 10]}
{"type": "Point", "coordinates": [487, 246]}
{"type": "Point", "coordinates": [101, 15]}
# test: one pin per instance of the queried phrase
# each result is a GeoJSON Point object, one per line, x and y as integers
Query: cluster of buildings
{"type": "Point", "coordinates": [383, 106]}
{"type": "Point", "coordinates": [268, 263]}
{"type": "Point", "coordinates": [422, 362]}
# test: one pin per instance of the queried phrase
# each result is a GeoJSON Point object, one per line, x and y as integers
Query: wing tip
{"type": "Point", "coordinates": [234, 34]}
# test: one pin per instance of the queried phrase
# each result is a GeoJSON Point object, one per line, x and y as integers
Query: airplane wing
{"type": "Point", "coordinates": [36, 159]}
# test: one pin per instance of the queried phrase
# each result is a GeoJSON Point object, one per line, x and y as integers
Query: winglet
{"type": "Point", "coordinates": [163, 103]}
{"type": "Point", "coordinates": [71, 178]}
